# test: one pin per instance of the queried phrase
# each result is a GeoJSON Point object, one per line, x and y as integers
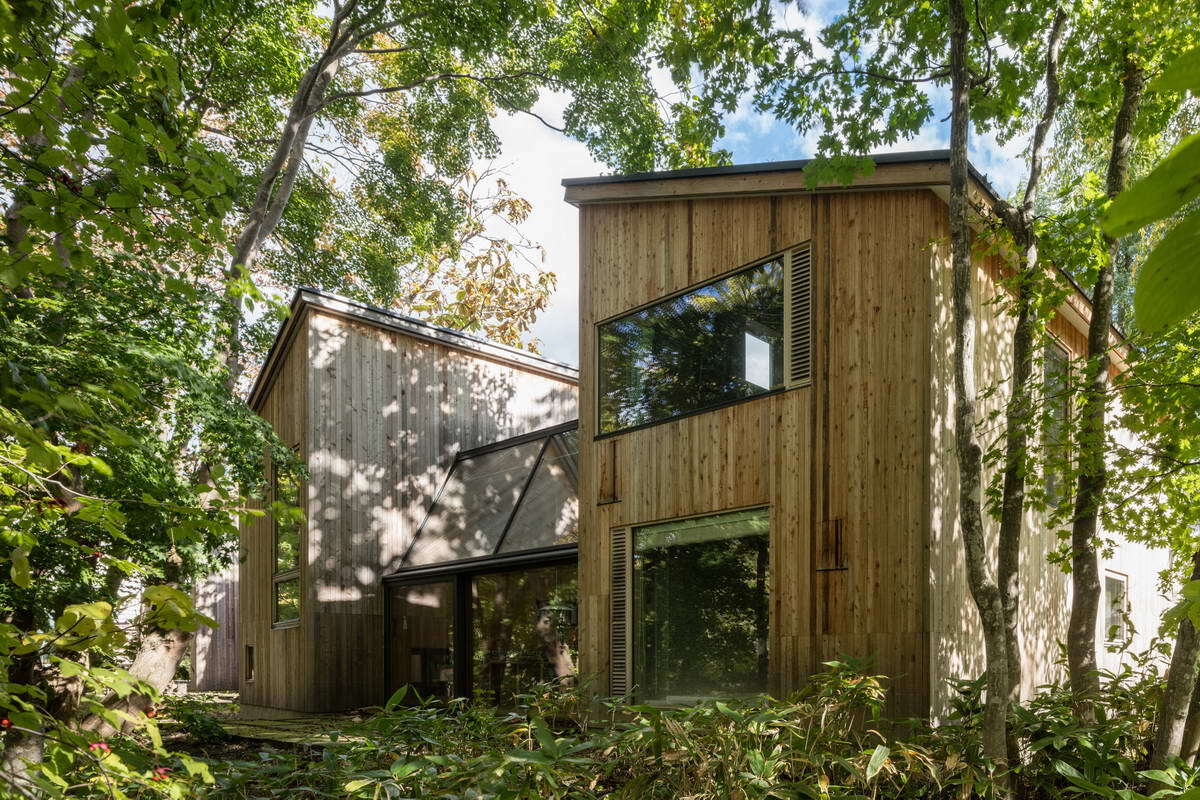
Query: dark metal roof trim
{"type": "Point", "coordinates": [915, 157]}
{"type": "Point", "coordinates": [305, 298]}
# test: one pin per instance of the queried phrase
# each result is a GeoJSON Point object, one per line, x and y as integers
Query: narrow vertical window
{"type": "Point", "coordinates": [1057, 440]}
{"type": "Point", "coordinates": [1116, 606]}
{"type": "Point", "coordinates": [248, 662]}
{"type": "Point", "coordinates": [288, 518]}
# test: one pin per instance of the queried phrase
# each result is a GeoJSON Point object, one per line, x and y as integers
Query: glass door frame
{"type": "Point", "coordinates": [462, 573]}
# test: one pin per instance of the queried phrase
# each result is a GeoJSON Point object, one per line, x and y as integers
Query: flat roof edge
{"type": "Point", "coordinates": [914, 157]}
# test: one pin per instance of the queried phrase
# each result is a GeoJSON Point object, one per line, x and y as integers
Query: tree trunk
{"type": "Point", "coordinates": [984, 590]}
{"type": "Point", "coordinates": [1177, 697]}
{"type": "Point", "coordinates": [157, 659]}
{"type": "Point", "coordinates": [1091, 442]}
{"type": "Point", "coordinates": [277, 182]}
{"type": "Point", "coordinates": [1190, 746]}
{"type": "Point", "coordinates": [1019, 411]}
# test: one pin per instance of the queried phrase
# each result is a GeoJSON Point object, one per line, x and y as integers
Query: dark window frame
{"type": "Point", "coordinates": [460, 574]}
{"type": "Point", "coordinates": [545, 435]}
{"type": "Point", "coordinates": [248, 665]}
{"type": "Point", "coordinates": [780, 256]}
{"type": "Point", "coordinates": [289, 575]}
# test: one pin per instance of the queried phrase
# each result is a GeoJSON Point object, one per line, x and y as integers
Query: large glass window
{"type": "Point", "coordinates": [714, 345]}
{"type": "Point", "coordinates": [525, 626]}
{"type": "Point", "coordinates": [288, 521]}
{"type": "Point", "coordinates": [701, 607]}
{"type": "Point", "coordinates": [521, 630]}
{"type": "Point", "coordinates": [485, 602]}
{"type": "Point", "coordinates": [421, 644]}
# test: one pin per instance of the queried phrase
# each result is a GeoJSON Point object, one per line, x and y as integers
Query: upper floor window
{"type": "Point", "coordinates": [1116, 607]}
{"type": "Point", "coordinates": [722, 342]}
{"type": "Point", "coordinates": [1057, 398]}
{"type": "Point", "coordinates": [288, 521]}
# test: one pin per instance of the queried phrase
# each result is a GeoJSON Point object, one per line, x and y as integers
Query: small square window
{"type": "Point", "coordinates": [1116, 607]}
{"type": "Point", "coordinates": [287, 599]}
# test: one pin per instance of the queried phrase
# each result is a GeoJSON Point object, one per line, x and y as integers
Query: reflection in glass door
{"type": "Point", "coordinates": [422, 637]}
{"type": "Point", "coordinates": [525, 630]}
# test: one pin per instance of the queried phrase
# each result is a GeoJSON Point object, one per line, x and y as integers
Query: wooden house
{"type": "Point", "coordinates": [762, 477]}
{"type": "Point", "coordinates": [766, 428]}
{"type": "Point", "coordinates": [378, 408]}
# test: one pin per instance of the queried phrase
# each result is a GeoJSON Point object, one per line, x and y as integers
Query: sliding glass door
{"type": "Point", "coordinates": [520, 630]}
{"type": "Point", "coordinates": [421, 640]}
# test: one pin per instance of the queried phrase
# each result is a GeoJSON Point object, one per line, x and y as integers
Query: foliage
{"type": "Point", "coordinates": [828, 740]}
{"type": "Point", "coordinates": [1168, 284]}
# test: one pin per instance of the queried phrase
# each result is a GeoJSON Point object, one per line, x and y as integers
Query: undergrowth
{"type": "Point", "coordinates": [829, 740]}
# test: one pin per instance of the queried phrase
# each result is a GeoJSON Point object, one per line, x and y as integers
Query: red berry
{"type": "Point", "coordinates": [5, 723]}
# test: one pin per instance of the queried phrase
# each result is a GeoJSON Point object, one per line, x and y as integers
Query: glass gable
{"type": "Point", "coordinates": [504, 499]}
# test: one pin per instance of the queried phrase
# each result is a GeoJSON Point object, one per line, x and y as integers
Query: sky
{"type": "Point", "coordinates": [536, 159]}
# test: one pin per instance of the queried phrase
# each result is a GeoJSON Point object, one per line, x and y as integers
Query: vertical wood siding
{"type": "Point", "coordinates": [283, 668]}
{"type": "Point", "coordinates": [851, 447]}
{"type": "Point", "coordinates": [383, 415]}
{"type": "Point", "coordinates": [214, 651]}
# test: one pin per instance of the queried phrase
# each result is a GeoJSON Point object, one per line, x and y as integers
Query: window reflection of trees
{"type": "Point", "coordinates": [525, 626]}
{"type": "Point", "coordinates": [702, 609]}
{"type": "Point", "coordinates": [692, 351]}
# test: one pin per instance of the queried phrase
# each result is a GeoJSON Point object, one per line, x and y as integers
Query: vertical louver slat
{"type": "Point", "coordinates": [798, 316]}
{"type": "Point", "coordinates": [618, 672]}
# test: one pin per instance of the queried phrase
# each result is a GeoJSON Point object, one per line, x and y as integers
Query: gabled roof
{"type": "Point", "coordinates": [306, 299]}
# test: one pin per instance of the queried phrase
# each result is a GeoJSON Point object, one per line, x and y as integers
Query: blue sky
{"type": "Point", "coordinates": [536, 159]}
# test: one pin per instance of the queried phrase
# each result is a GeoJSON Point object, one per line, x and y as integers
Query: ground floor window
{"type": "Point", "coordinates": [701, 607]}
{"type": "Point", "coordinates": [491, 634]}
{"type": "Point", "coordinates": [1116, 607]}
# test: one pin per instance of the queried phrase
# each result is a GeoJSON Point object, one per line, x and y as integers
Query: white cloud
{"type": "Point", "coordinates": [538, 159]}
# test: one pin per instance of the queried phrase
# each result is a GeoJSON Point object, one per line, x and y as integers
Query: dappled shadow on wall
{"type": "Point", "coordinates": [390, 414]}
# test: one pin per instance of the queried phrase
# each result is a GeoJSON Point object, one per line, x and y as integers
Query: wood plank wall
{"type": "Point", "coordinates": [956, 647]}
{"type": "Point", "coordinates": [388, 412]}
{"type": "Point", "coordinates": [851, 448]}
{"type": "Point", "coordinates": [215, 657]}
{"type": "Point", "coordinates": [282, 668]}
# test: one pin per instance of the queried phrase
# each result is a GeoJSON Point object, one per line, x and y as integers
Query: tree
{"type": "Point", "coordinates": [1167, 289]}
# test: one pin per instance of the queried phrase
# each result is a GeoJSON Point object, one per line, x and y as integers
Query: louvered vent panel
{"type": "Point", "coordinates": [618, 672]}
{"type": "Point", "coordinates": [798, 316]}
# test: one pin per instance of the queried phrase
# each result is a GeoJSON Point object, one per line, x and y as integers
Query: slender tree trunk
{"type": "Point", "coordinates": [1019, 411]}
{"type": "Point", "coordinates": [1190, 746]}
{"type": "Point", "coordinates": [984, 590]}
{"type": "Point", "coordinates": [1177, 697]}
{"type": "Point", "coordinates": [1091, 444]}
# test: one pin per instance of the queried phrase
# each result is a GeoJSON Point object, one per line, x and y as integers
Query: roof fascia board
{"type": "Point", "coordinates": [306, 300]}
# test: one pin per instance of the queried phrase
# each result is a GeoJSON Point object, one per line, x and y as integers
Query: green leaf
{"type": "Point", "coordinates": [20, 567]}
{"type": "Point", "coordinates": [1181, 75]}
{"type": "Point", "coordinates": [877, 759]}
{"type": "Point", "coordinates": [1168, 284]}
{"type": "Point", "coordinates": [1164, 191]}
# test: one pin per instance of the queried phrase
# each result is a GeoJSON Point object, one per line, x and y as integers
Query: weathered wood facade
{"type": "Point", "coordinates": [858, 467]}
{"type": "Point", "coordinates": [377, 405]}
